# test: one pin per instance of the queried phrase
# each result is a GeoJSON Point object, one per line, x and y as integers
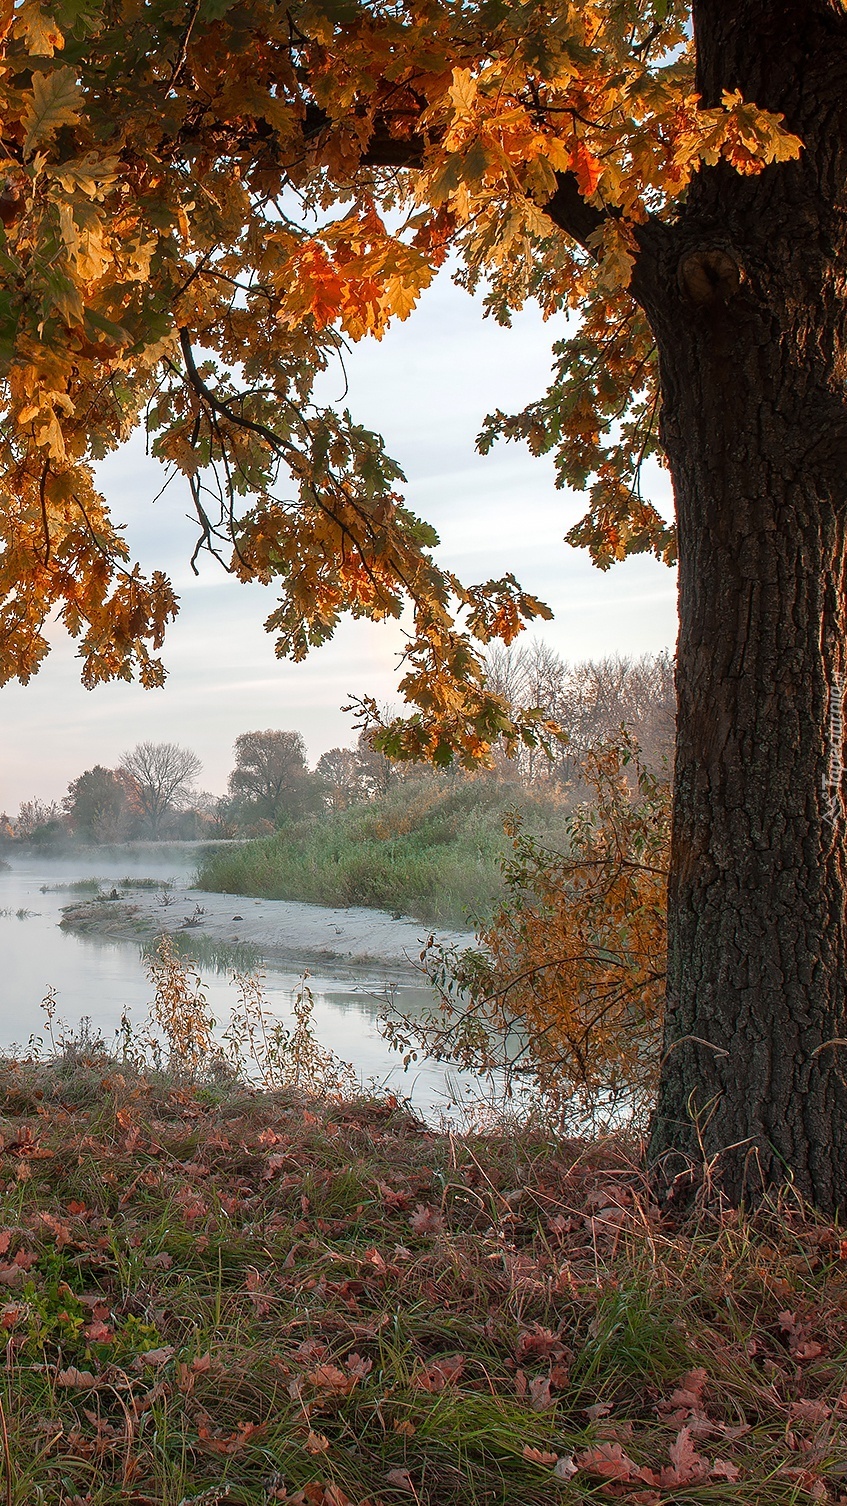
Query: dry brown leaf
{"type": "Point", "coordinates": [402, 1479]}
{"type": "Point", "coordinates": [426, 1220]}
{"type": "Point", "coordinates": [538, 1455]}
{"type": "Point", "coordinates": [332, 1380]}
{"type": "Point", "coordinates": [316, 1443]}
{"type": "Point", "coordinates": [154, 1357]}
{"type": "Point", "coordinates": [687, 1467]}
{"type": "Point", "coordinates": [440, 1373]}
{"type": "Point", "coordinates": [78, 1379]}
{"type": "Point", "coordinates": [722, 1469]}
{"type": "Point", "coordinates": [609, 1462]}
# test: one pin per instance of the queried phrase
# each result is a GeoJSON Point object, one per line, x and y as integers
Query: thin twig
{"type": "Point", "coordinates": [183, 46]}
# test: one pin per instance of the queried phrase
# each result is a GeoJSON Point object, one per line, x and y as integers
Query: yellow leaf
{"type": "Point", "coordinates": [48, 434]}
{"type": "Point", "coordinates": [557, 154]}
{"type": "Point", "coordinates": [40, 32]}
{"type": "Point", "coordinates": [89, 174]}
{"type": "Point", "coordinates": [463, 90]}
{"type": "Point", "coordinates": [400, 297]}
{"type": "Point", "coordinates": [55, 102]}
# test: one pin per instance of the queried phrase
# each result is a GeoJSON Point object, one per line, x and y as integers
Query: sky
{"type": "Point", "coordinates": [426, 388]}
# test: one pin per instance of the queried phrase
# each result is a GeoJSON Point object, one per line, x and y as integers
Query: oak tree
{"type": "Point", "coordinates": [338, 769]}
{"type": "Point", "coordinates": [201, 202]}
{"type": "Point", "coordinates": [96, 804]}
{"type": "Point", "coordinates": [271, 777]}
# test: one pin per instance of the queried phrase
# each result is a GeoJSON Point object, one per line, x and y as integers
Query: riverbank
{"type": "Point", "coordinates": [214, 1295]}
{"type": "Point", "coordinates": [430, 847]}
{"type": "Point", "coordinates": [282, 933]}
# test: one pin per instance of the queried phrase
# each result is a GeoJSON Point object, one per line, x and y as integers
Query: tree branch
{"type": "Point", "coordinates": [568, 210]}
{"type": "Point", "coordinates": [571, 212]}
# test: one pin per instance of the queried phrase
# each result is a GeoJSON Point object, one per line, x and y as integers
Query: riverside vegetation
{"type": "Point", "coordinates": [432, 844]}
{"type": "Point", "coordinates": [429, 847]}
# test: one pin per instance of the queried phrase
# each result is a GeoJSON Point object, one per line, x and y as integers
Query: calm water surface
{"type": "Point", "coordinates": [99, 978]}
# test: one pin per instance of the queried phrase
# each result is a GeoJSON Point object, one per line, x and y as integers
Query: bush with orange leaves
{"type": "Point", "coordinates": [564, 991]}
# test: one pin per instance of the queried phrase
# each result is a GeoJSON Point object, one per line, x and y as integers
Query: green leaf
{"type": "Point", "coordinates": [215, 10]}
{"type": "Point", "coordinates": [98, 324]}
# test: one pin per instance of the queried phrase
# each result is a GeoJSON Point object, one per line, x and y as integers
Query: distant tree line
{"type": "Point", "coordinates": [152, 793]}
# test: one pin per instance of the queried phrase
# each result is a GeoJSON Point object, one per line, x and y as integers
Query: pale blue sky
{"type": "Point", "coordinates": [426, 388]}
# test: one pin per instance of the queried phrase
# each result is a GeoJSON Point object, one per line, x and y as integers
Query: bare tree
{"type": "Point", "coordinates": [590, 700]}
{"type": "Point", "coordinates": [376, 772]}
{"type": "Point", "coordinates": [159, 776]}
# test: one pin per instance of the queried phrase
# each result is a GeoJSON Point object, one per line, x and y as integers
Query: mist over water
{"type": "Point", "coordinates": [98, 978]}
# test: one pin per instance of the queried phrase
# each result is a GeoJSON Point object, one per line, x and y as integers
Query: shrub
{"type": "Point", "coordinates": [565, 986]}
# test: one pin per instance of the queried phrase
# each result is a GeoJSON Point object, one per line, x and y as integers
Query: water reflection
{"type": "Point", "coordinates": [100, 978]}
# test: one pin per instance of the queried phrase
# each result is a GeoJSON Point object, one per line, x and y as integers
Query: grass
{"type": "Point", "coordinates": [208, 952]}
{"type": "Point", "coordinates": [429, 849]}
{"type": "Point", "coordinates": [96, 886]}
{"type": "Point", "coordinates": [219, 1295]}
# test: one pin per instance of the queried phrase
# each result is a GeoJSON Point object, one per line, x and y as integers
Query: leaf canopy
{"type": "Point", "coordinates": [202, 203]}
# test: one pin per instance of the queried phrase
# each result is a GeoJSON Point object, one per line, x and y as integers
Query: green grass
{"type": "Point", "coordinates": [429, 849]}
{"type": "Point", "coordinates": [269, 1298]}
{"type": "Point", "coordinates": [97, 886]}
{"type": "Point", "coordinates": [207, 952]}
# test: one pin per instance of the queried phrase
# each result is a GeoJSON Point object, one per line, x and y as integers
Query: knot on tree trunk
{"type": "Point", "coordinates": [709, 276]}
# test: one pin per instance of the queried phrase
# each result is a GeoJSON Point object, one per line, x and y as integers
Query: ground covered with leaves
{"type": "Point", "coordinates": [217, 1295]}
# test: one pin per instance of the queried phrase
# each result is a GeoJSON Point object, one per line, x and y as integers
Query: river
{"type": "Point", "coordinates": [98, 978]}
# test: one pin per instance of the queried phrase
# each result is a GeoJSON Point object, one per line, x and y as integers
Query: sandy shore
{"type": "Point", "coordinates": [286, 933]}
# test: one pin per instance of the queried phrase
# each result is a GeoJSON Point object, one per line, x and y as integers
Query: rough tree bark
{"type": "Point", "coordinates": [746, 294]}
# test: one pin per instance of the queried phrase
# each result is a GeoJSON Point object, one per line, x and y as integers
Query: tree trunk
{"type": "Point", "coordinates": [746, 296]}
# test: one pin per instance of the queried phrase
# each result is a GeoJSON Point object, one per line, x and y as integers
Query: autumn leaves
{"type": "Point", "coordinates": [257, 186]}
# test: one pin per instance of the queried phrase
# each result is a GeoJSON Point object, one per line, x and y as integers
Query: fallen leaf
{"type": "Point", "coordinates": [329, 1378]}
{"type": "Point", "coordinates": [688, 1394]}
{"type": "Point", "coordinates": [254, 1284]}
{"type": "Point", "coordinates": [228, 1443]}
{"type": "Point", "coordinates": [687, 1467]}
{"type": "Point", "coordinates": [98, 1332]}
{"type": "Point", "coordinates": [540, 1397]}
{"type": "Point", "coordinates": [439, 1373]}
{"type": "Point", "coordinates": [541, 1343]}
{"type": "Point", "coordinates": [538, 1455]}
{"type": "Point", "coordinates": [426, 1220]}
{"type": "Point", "coordinates": [402, 1479]}
{"type": "Point", "coordinates": [723, 1470]}
{"type": "Point", "coordinates": [154, 1357]}
{"type": "Point", "coordinates": [79, 1379]}
{"type": "Point", "coordinates": [800, 1346]}
{"type": "Point", "coordinates": [809, 1411]}
{"type": "Point", "coordinates": [609, 1461]}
